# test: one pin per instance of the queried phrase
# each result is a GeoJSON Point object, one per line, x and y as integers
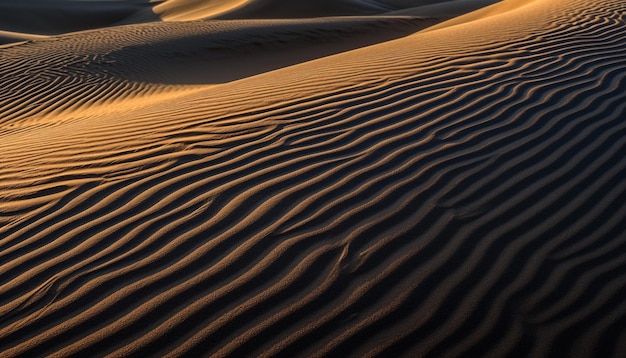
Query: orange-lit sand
{"type": "Point", "coordinates": [300, 178]}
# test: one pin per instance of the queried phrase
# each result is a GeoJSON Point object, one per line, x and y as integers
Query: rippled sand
{"type": "Point", "coordinates": [299, 178]}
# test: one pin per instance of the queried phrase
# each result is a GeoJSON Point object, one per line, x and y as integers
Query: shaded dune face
{"type": "Point", "coordinates": [103, 66]}
{"type": "Point", "coordinates": [60, 16]}
{"type": "Point", "coordinates": [458, 192]}
{"type": "Point", "coordinates": [272, 9]}
{"type": "Point", "coordinates": [52, 17]}
{"type": "Point", "coordinates": [298, 9]}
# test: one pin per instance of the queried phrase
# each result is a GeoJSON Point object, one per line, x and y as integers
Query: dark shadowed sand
{"type": "Point", "coordinates": [260, 178]}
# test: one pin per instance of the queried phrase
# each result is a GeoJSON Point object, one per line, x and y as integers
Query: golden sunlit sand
{"type": "Point", "coordinates": [313, 178]}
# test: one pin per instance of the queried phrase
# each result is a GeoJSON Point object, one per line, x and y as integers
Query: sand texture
{"type": "Point", "coordinates": [328, 179]}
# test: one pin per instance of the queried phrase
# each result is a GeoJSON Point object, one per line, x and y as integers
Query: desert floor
{"type": "Point", "coordinates": [261, 178]}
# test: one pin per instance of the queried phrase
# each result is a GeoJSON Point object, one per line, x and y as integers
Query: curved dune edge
{"type": "Point", "coordinates": [187, 10]}
{"type": "Point", "coordinates": [11, 37]}
{"type": "Point", "coordinates": [496, 9]}
{"type": "Point", "coordinates": [458, 192]}
{"type": "Point", "coordinates": [135, 63]}
{"type": "Point", "coordinates": [53, 17]}
{"type": "Point", "coordinates": [30, 19]}
{"type": "Point", "coordinates": [449, 9]}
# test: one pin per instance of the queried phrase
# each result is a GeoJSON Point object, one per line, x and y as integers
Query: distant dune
{"type": "Point", "coordinates": [343, 178]}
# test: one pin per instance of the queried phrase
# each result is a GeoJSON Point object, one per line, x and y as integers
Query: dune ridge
{"type": "Point", "coordinates": [53, 17]}
{"type": "Point", "coordinates": [457, 192]}
{"type": "Point", "coordinates": [94, 67]}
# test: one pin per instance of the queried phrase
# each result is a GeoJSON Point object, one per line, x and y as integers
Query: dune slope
{"type": "Point", "coordinates": [60, 16]}
{"type": "Point", "coordinates": [91, 68]}
{"type": "Point", "coordinates": [456, 192]}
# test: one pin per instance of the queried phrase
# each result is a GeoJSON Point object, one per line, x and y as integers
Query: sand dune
{"type": "Point", "coordinates": [460, 191]}
{"type": "Point", "coordinates": [11, 37]}
{"type": "Point", "coordinates": [271, 9]}
{"type": "Point", "coordinates": [451, 9]}
{"type": "Point", "coordinates": [60, 16]}
{"type": "Point", "coordinates": [87, 69]}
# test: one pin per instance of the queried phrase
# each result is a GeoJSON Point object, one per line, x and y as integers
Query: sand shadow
{"type": "Point", "coordinates": [53, 17]}
{"type": "Point", "coordinates": [239, 49]}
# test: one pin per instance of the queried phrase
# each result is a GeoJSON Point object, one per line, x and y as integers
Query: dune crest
{"type": "Point", "coordinates": [498, 8]}
{"type": "Point", "coordinates": [185, 10]}
{"type": "Point", "coordinates": [178, 10]}
{"type": "Point", "coordinates": [10, 37]}
{"type": "Point", "coordinates": [53, 17]}
{"type": "Point", "coordinates": [143, 60]}
{"type": "Point", "coordinates": [448, 9]}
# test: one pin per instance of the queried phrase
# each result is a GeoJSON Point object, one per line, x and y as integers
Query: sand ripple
{"type": "Point", "coordinates": [439, 195]}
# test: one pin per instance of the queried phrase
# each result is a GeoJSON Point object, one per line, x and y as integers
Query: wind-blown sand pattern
{"type": "Point", "coordinates": [458, 192]}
